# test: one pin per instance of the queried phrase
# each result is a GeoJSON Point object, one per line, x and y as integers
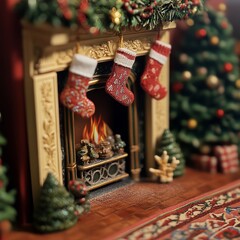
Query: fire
{"type": "Point", "coordinates": [96, 131]}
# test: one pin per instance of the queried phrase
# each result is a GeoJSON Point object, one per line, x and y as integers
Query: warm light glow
{"type": "Point", "coordinates": [96, 131]}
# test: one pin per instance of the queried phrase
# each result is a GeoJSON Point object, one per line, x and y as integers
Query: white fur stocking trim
{"type": "Point", "coordinates": [157, 56]}
{"type": "Point", "coordinates": [83, 65]}
{"type": "Point", "coordinates": [123, 60]}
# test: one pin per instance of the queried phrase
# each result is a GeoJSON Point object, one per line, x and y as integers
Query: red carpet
{"type": "Point", "coordinates": [214, 215]}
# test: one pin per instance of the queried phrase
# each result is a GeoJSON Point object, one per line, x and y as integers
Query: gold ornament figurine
{"type": "Point", "coordinates": [165, 170]}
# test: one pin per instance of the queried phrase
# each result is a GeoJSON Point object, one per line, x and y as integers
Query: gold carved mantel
{"type": "Point", "coordinates": [49, 50]}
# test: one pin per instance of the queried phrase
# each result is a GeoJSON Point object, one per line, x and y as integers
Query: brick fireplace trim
{"type": "Point", "coordinates": [49, 50]}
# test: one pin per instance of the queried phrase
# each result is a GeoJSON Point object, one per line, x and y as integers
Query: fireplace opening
{"type": "Point", "coordinates": [109, 146]}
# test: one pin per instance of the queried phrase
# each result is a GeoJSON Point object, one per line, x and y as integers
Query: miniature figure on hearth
{"type": "Point", "coordinates": [56, 210]}
{"type": "Point", "coordinates": [105, 150]}
{"type": "Point", "coordinates": [165, 170]}
{"type": "Point", "coordinates": [119, 144]}
{"type": "Point", "coordinates": [79, 190]}
{"type": "Point", "coordinates": [86, 152]}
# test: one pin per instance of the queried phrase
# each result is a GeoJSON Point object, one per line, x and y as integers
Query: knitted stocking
{"type": "Point", "coordinates": [149, 80]}
{"type": "Point", "coordinates": [73, 95]}
{"type": "Point", "coordinates": [116, 84]}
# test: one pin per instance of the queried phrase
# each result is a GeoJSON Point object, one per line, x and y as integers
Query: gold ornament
{"type": "Point", "coordinates": [194, 10]}
{"type": "Point", "coordinates": [190, 22]}
{"type": "Point", "coordinates": [212, 81]}
{"type": "Point", "coordinates": [192, 123]}
{"type": "Point", "coordinates": [221, 89]}
{"type": "Point", "coordinates": [222, 7]}
{"type": "Point", "coordinates": [214, 40]}
{"type": "Point", "coordinates": [236, 95]}
{"type": "Point", "coordinates": [115, 16]}
{"type": "Point", "coordinates": [186, 75]}
{"type": "Point", "coordinates": [183, 58]}
{"type": "Point", "coordinates": [202, 71]}
{"type": "Point", "coordinates": [237, 83]}
{"type": "Point", "coordinates": [205, 149]}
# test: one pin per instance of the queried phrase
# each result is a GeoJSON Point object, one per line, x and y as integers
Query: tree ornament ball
{"type": "Point", "coordinates": [212, 81]}
{"type": "Point", "coordinates": [115, 16]}
{"type": "Point", "coordinates": [186, 75]}
{"type": "Point", "coordinates": [177, 87]}
{"type": "Point", "coordinates": [201, 33]}
{"type": "Point", "coordinates": [224, 24]}
{"type": "Point", "coordinates": [214, 40]}
{"type": "Point", "coordinates": [222, 7]}
{"type": "Point", "coordinates": [220, 113]}
{"type": "Point", "coordinates": [190, 22]}
{"type": "Point", "coordinates": [221, 90]}
{"type": "Point", "coordinates": [228, 67]}
{"type": "Point", "coordinates": [202, 71]}
{"type": "Point", "coordinates": [192, 123]}
{"type": "Point", "coordinates": [205, 149]}
{"type": "Point", "coordinates": [237, 83]}
{"type": "Point", "coordinates": [183, 58]}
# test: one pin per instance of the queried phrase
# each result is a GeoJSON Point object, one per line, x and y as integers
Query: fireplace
{"type": "Point", "coordinates": [51, 135]}
{"type": "Point", "coordinates": [104, 148]}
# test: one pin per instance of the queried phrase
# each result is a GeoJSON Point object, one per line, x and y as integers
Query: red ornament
{"type": "Point", "coordinates": [220, 113]}
{"type": "Point", "coordinates": [201, 33]}
{"type": "Point", "coordinates": [177, 87]}
{"type": "Point", "coordinates": [1, 183]}
{"type": "Point", "coordinates": [228, 67]}
{"type": "Point", "coordinates": [224, 24]}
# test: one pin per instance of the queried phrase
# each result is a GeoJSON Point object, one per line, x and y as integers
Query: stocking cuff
{"type": "Point", "coordinates": [83, 65]}
{"type": "Point", "coordinates": [157, 56]}
{"type": "Point", "coordinates": [125, 57]}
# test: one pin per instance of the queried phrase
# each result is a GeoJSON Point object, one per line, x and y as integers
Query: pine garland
{"type": "Point", "coordinates": [102, 15]}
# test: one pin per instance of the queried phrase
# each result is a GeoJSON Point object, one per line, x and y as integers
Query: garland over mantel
{"type": "Point", "coordinates": [101, 15]}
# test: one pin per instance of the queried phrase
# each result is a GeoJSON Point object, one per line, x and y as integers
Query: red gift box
{"type": "Point", "coordinates": [205, 162]}
{"type": "Point", "coordinates": [228, 158]}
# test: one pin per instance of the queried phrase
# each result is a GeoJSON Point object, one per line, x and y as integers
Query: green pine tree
{"type": "Point", "coordinates": [56, 209]}
{"type": "Point", "coordinates": [205, 85]}
{"type": "Point", "coordinates": [7, 212]}
{"type": "Point", "coordinates": [168, 143]}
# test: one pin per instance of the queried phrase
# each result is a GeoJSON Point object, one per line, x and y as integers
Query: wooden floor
{"type": "Point", "coordinates": [125, 206]}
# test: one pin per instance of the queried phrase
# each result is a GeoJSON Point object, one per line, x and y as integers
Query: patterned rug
{"type": "Point", "coordinates": [214, 215]}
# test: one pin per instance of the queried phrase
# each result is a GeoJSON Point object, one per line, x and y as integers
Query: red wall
{"type": "Point", "coordinates": [12, 107]}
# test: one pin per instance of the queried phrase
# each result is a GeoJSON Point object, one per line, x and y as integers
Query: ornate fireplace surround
{"type": "Point", "coordinates": [48, 51]}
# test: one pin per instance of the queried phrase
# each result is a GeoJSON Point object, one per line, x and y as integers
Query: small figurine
{"type": "Point", "coordinates": [119, 144]}
{"type": "Point", "coordinates": [165, 171]}
{"type": "Point", "coordinates": [86, 152]}
{"type": "Point", "coordinates": [79, 190]}
{"type": "Point", "coordinates": [105, 150]}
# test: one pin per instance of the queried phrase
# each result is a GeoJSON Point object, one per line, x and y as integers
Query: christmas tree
{"type": "Point", "coordinates": [56, 209]}
{"type": "Point", "coordinates": [7, 212]}
{"type": "Point", "coordinates": [168, 143]}
{"type": "Point", "coordinates": [205, 85]}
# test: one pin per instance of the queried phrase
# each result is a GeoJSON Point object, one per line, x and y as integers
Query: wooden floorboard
{"type": "Point", "coordinates": [113, 211]}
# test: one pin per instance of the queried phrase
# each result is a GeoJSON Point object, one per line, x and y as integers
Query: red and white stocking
{"type": "Point", "coordinates": [73, 95]}
{"type": "Point", "coordinates": [157, 57]}
{"type": "Point", "coordinates": [116, 84]}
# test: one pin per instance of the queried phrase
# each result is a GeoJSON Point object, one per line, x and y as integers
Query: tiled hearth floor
{"type": "Point", "coordinates": [127, 205]}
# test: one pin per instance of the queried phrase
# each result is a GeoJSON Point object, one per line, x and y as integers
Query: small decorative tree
{"type": "Point", "coordinates": [169, 144]}
{"type": "Point", "coordinates": [56, 209]}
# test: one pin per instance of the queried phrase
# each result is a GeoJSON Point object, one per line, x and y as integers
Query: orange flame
{"type": "Point", "coordinates": [96, 131]}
